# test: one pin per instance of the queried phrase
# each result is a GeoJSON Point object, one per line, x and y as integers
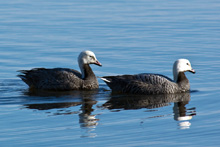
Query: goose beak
{"type": "Point", "coordinates": [192, 71]}
{"type": "Point", "coordinates": [97, 63]}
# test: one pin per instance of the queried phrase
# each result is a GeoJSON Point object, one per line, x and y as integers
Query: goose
{"type": "Point", "coordinates": [146, 83]}
{"type": "Point", "coordinates": [64, 78]}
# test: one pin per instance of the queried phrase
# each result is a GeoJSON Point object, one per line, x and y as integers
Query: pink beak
{"type": "Point", "coordinates": [193, 71]}
{"type": "Point", "coordinates": [98, 63]}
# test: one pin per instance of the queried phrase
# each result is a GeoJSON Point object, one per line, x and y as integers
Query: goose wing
{"type": "Point", "coordinates": [52, 79]}
{"type": "Point", "coordinates": [140, 83]}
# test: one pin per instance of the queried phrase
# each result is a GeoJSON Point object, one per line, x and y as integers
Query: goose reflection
{"type": "Point", "coordinates": [181, 113]}
{"type": "Point", "coordinates": [87, 120]}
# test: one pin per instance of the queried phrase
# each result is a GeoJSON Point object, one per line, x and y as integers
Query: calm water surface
{"type": "Point", "coordinates": [128, 37]}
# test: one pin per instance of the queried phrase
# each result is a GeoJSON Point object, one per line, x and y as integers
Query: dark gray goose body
{"type": "Point", "coordinates": [152, 83]}
{"type": "Point", "coordinates": [64, 78]}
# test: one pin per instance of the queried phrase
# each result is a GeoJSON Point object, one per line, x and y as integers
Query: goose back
{"type": "Point", "coordinates": [143, 84]}
{"type": "Point", "coordinates": [56, 79]}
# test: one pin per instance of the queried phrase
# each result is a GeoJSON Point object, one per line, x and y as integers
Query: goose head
{"type": "Point", "coordinates": [88, 57]}
{"type": "Point", "coordinates": [181, 65]}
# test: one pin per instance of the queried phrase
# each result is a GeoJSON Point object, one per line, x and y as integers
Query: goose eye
{"type": "Point", "coordinates": [92, 57]}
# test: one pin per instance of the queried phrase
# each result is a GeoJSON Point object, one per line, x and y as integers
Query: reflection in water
{"type": "Point", "coordinates": [181, 114]}
{"type": "Point", "coordinates": [87, 121]}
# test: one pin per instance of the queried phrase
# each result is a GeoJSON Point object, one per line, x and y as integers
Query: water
{"type": "Point", "coordinates": [128, 37]}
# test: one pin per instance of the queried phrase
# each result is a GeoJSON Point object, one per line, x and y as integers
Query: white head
{"type": "Point", "coordinates": [87, 57]}
{"type": "Point", "coordinates": [181, 65]}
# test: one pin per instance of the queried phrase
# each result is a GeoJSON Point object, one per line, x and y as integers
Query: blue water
{"type": "Point", "coordinates": [128, 37]}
